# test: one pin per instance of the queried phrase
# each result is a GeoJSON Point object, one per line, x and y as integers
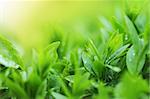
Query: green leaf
{"type": "Point", "coordinates": [95, 50]}
{"type": "Point", "coordinates": [132, 32]}
{"type": "Point", "coordinates": [53, 45]}
{"type": "Point", "coordinates": [141, 22]}
{"type": "Point", "coordinates": [41, 92]}
{"type": "Point", "coordinates": [51, 51]}
{"type": "Point", "coordinates": [98, 67]}
{"type": "Point", "coordinates": [47, 57]}
{"type": "Point", "coordinates": [35, 58]}
{"type": "Point", "coordinates": [115, 41]}
{"type": "Point", "coordinates": [116, 69]}
{"type": "Point", "coordinates": [118, 25]}
{"type": "Point", "coordinates": [131, 87]}
{"type": "Point", "coordinates": [34, 81]}
{"type": "Point", "coordinates": [133, 64]}
{"type": "Point", "coordinates": [64, 86]}
{"type": "Point", "coordinates": [103, 92]}
{"type": "Point", "coordinates": [70, 78]}
{"type": "Point", "coordinates": [58, 96]}
{"type": "Point", "coordinates": [9, 56]}
{"type": "Point", "coordinates": [147, 34]}
{"type": "Point", "coordinates": [81, 83]}
{"type": "Point", "coordinates": [117, 54]}
{"type": "Point", "coordinates": [141, 56]}
{"type": "Point", "coordinates": [88, 64]}
{"type": "Point", "coordinates": [16, 89]}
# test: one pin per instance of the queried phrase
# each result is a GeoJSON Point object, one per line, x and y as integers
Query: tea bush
{"type": "Point", "coordinates": [112, 64]}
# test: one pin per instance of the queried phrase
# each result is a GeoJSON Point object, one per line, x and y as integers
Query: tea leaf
{"type": "Point", "coordinates": [117, 53]}
{"type": "Point", "coordinates": [134, 66]}
{"type": "Point", "coordinates": [9, 56]}
{"type": "Point", "coordinates": [16, 89]}
{"type": "Point", "coordinates": [58, 96]}
{"type": "Point", "coordinates": [132, 32]}
{"type": "Point", "coordinates": [88, 64]}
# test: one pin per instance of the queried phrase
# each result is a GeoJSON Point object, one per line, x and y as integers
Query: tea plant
{"type": "Point", "coordinates": [114, 66]}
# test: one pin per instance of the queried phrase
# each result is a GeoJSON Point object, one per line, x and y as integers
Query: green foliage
{"type": "Point", "coordinates": [135, 88]}
{"type": "Point", "coordinates": [114, 66]}
{"type": "Point", "coordinates": [9, 56]}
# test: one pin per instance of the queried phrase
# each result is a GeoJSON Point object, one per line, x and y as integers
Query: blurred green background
{"type": "Point", "coordinates": [35, 23]}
